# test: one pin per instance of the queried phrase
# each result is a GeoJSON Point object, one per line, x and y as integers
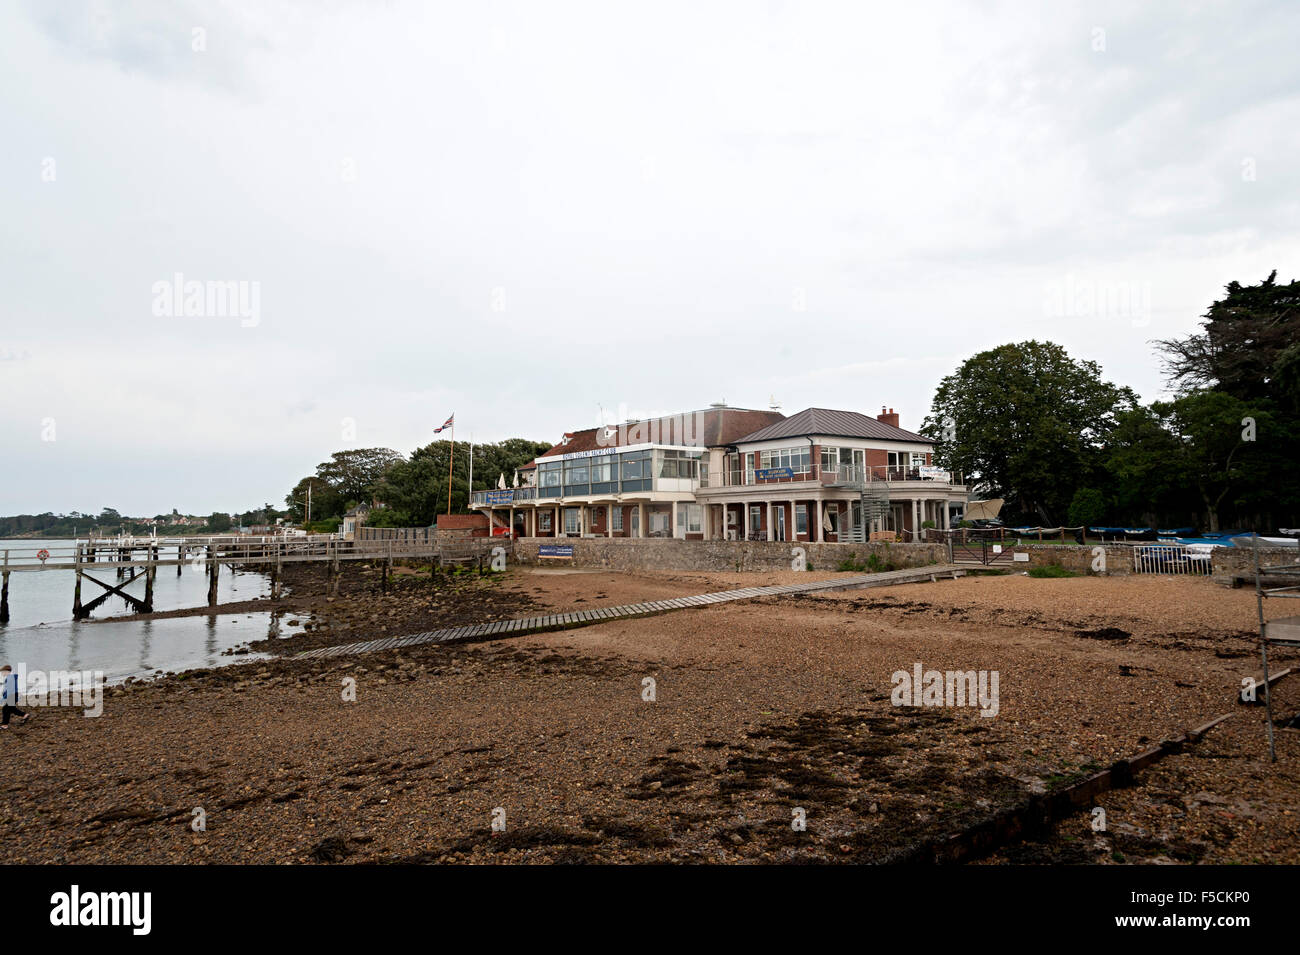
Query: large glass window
{"type": "Point", "coordinates": [801, 518]}
{"type": "Point", "coordinates": [572, 523]}
{"type": "Point", "coordinates": [830, 460]}
{"type": "Point", "coordinates": [796, 459]}
{"type": "Point", "coordinates": [617, 515]}
{"type": "Point", "coordinates": [602, 470]}
{"type": "Point", "coordinates": [549, 474]}
{"type": "Point", "coordinates": [635, 465]}
{"type": "Point", "coordinates": [679, 464]}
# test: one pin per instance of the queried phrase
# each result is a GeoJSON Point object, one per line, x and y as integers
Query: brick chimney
{"type": "Point", "coordinates": [889, 417]}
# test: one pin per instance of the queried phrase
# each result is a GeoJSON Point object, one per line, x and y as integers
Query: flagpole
{"type": "Point", "coordinates": [451, 458]}
{"type": "Point", "coordinates": [469, 493]}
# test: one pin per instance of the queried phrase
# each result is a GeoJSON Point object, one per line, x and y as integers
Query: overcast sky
{"type": "Point", "coordinates": [524, 213]}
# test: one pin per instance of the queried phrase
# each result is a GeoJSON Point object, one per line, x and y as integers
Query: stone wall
{"type": "Point", "coordinates": [1226, 562]}
{"type": "Point", "coordinates": [669, 554]}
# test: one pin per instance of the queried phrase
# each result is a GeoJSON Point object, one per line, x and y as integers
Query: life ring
{"type": "Point", "coordinates": [42, 555]}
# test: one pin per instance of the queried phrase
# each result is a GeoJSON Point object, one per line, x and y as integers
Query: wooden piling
{"type": "Point", "coordinates": [150, 570]}
{"type": "Point", "coordinates": [4, 592]}
{"type": "Point", "coordinates": [335, 573]}
{"type": "Point", "coordinates": [77, 613]}
{"type": "Point", "coordinates": [212, 577]}
{"type": "Point", "coordinates": [277, 571]}
{"type": "Point", "coordinates": [180, 558]}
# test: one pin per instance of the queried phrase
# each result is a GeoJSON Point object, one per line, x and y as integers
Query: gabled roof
{"type": "Point", "coordinates": [710, 428]}
{"type": "Point", "coordinates": [833, 424]}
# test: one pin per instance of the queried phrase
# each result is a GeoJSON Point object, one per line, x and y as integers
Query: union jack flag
{"type": "Point", "coordinates": [446, 424]}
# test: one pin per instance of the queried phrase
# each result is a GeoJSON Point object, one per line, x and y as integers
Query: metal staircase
{"type": "Point", "coordinates": [873, 503]}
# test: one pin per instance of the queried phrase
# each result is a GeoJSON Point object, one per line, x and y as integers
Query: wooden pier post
{"type": "Point", "coordinates": [77, 612]}
{"type": "Point", "coordinates": [212, 577]}
{"type": "Point", "coordinates": [4, 592]}
{"type": "Point", "coordinates": [180, 558]}
{"type": "Point", "coordinates": [335, 573]}
{"type": "Point", "coordinates": [388, 564]}
{"type": "Point", "coordinates": [276, 571]}
{"type": "Point", "coordinates": [150, 570]}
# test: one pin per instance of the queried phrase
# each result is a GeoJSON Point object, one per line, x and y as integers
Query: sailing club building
{"type": "Point", "coordinates": [728, 473]}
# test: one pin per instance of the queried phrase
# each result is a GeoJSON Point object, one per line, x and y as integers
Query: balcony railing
{"type": "Point", "coordinates": [847, 475]}
{"type": "Point", "coordinates": [504, 497]}
{"type": "Point", "coordinates": [843, 475]}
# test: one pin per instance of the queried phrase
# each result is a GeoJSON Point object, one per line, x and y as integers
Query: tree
{"type": "Point", "coordinates": [355, 474]}
{"type": "Point", "coordinates": [1247, 343]}
{"type": "Point", "coordinates": [1028, 423]}
{"type": "Point", "coordinates": [219, 523]}
{"type": "Point", "coordinates": [1087, 507]}
{"type": "Point", "coordinates": [325, 501]}
{"type": "Point", "coordinates": [1214, 452]}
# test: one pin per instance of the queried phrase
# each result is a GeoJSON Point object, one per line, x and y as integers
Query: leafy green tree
{"type": "Point", "coordinates": [1028, 423]}
{"type": "Point", "coordinates": [355, 474]}
{"type": "Point", "coordinates": [1087, 507]}
{"type": "Point", "coordinates": [219, 523]}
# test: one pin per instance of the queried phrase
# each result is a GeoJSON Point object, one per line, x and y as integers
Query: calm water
{"type": "Point", "coordinates": [42, 633]}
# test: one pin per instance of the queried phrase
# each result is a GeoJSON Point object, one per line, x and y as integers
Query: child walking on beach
{"type": "Point", "coordinates": [9, 697]}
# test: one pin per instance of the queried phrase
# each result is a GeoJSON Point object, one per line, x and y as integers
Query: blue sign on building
{"type": "Point", "coordinates": [501, 497]}
{"type": "Point", "coordinates": [764, 474]}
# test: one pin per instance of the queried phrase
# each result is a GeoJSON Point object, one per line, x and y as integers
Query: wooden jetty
{"type": "Point", "coordinates": [138, 558]}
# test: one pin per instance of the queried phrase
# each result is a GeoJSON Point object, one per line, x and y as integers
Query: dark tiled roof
{"type": "Point", "coordinates": [710, 428]}
{"type": "Point", "coordinates": [837, 424]}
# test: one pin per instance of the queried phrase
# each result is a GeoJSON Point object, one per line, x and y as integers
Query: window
{"type": "Point", "coordinates": [602, 470]}
{"type": "Point", "coordinates": [690, 518]}
{"type": "Point", "coordinates": [572, 523]}
{"type": "Point", "coordinates": [549, 474]}
{"type": "Point", "coordinates": [755, 518]}
{"type": "Point", "coordinates": [679, 464]}
{"type": "Point", "coordinates": [546, 520]}
{"type": "Point", "coordinates": [617, 516]}
{"type": "Point", "coordinates": [801, 519]}
{"type": "Point", "coordinates": [796, 459]}
{"type": "Point", "coordinates": [833, 518]}
{"type": "Point", "coordinates": [575, 472]}
{"type": "Point", "coordinates": [918, 459]}
{"type": "Point", "coordinates": [830, 460]}
{"type": "Point", "coordinates": [635, 465]}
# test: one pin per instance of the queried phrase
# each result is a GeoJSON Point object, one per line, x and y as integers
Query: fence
{"type": "Point", "coordinates": [410, 535]}
{"type": "Point", "coordinates": [1171, 559]}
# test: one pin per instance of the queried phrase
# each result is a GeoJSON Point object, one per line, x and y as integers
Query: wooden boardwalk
{"type": "Point", "coordinates": [561, 621]}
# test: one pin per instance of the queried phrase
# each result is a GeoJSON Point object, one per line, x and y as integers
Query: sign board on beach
{"type": "Point", "coordinates": [555, 550]}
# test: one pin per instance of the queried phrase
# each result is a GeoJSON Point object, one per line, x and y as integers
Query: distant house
{"type": "Point", "coordinates": [353, 519]}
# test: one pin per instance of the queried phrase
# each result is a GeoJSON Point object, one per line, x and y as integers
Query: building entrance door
{"type": "Point", "coordinates": [780, 523]}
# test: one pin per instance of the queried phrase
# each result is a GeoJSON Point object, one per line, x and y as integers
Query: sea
{"type": "Point", "coordinates": [42, 634]}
